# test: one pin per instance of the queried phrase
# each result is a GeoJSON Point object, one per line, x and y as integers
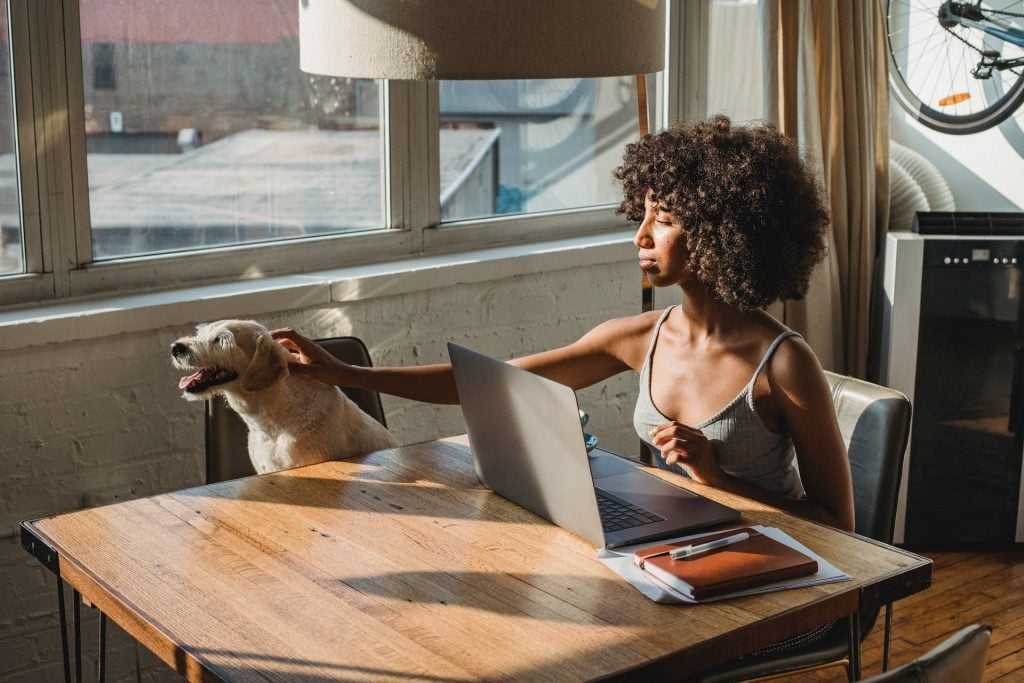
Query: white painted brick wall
{"type": "Point", "coordinates": [98, 420]}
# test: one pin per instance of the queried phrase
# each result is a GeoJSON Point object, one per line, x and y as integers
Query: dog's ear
{"type": "Point", "coordinates": [266, 366]}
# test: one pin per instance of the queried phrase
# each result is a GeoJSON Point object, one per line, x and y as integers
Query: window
{"type": "Point", "coordinates": [12, 256]}
{"type": "Point", "coordinates": [170, 142]}
{"type": "Point", "coordinates": [207, 134]}
{"type": "Point", "coordinates": [735, 83]}
{"type": "Point", "coordinates": [104, 77]}
{"type": "Point", "coordinates": [526, 146]}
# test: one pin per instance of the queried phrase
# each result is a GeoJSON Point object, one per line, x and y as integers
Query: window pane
{"type": "Point", "coordinates": [202, 131]}
{"type": "Point", "coordinates": [12, 252]}
{"type": "Point", "coordinates": [532, 145]}
{"type": "Point", "coordinates": [734, 60]}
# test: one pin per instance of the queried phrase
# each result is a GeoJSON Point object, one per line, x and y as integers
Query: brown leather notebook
{"type": "Point", "coordinates": [757, 561]}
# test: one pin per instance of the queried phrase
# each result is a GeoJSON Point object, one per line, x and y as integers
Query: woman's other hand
{"type": "Point", "coordinates": [308, 359]}
{"type": "Point", "coordinates": [688, 446]}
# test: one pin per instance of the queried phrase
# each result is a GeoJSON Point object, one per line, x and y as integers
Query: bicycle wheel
{"type": "Point", "coordinates": [931, 60]}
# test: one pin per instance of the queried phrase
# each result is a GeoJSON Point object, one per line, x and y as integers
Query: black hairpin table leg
{"type": "Point", "coordinates": [41, 550]}
{"type": "Point", "coordinates": [63, 629]}
{"type": "Point", "coordinates": [77, 609]}
{"type": "Point", "coordinates": [854, 644]}
{"type": "Point", "coordinates": [888, 634]}
{"type": "Point", "coordinates": [103, 647]}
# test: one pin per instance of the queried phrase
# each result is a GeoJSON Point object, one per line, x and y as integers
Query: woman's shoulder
{"type": "Point", "coordinates": [640, 324]}
{"type": "Point", "coordinates": [764, 330]}
{"type": "Point", "coordinates": [628, 337]}
{"type": "Point", "coordinates": [792, 376]}
{"type": "Point", "coordinates": [783, 351]}
{"type": "Point", "coordinates": [793, 365]}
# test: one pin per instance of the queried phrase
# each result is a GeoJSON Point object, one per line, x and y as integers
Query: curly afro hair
{"type": "Point", "coordinates": [752, 211]}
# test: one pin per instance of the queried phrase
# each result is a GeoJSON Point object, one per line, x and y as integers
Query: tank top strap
{"type": "Point", "coordinates": [771, 350]}
{"type": "Point", "coordinates": [657, 331]}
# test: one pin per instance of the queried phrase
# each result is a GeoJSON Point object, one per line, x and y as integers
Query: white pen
{"type": "Point", "coordinates": [690, 550]}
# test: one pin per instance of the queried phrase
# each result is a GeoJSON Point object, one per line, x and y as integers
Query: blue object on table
{"type": "Point", "coordinates": [588, 439]}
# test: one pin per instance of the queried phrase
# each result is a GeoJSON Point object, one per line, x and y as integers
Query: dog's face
{"type": "Point", "coordinates": [228, 355]}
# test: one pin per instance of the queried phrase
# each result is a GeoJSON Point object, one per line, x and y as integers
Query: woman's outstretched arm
{"type": "Point", "coordinates": [604, 351]}
{"type": "Point", "coordinates": [427, 383]}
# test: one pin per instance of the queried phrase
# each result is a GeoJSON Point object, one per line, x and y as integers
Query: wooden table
{"type": "Point", "coordinates": [400, 565]}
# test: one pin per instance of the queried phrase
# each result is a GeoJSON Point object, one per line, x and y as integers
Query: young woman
{"type": "Point", "coordinates": [728, 395]}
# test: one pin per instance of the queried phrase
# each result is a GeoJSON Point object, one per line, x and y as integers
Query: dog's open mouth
{"type": "Point", "coordinates": [206, 378]}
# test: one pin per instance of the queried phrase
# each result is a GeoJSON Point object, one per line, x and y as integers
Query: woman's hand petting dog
{"type": "Point", "coordinates": [308, 359]}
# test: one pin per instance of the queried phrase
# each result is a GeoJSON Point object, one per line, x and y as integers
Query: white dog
{"type": "Point", "coordinates": [292, 420]}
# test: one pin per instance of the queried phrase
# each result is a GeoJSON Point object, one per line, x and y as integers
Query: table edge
{"type": "Point", "coordinates": [117, 607]}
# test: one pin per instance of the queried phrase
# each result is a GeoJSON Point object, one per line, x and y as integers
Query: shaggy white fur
{"type": "Point", "coordinates": [292, 420]}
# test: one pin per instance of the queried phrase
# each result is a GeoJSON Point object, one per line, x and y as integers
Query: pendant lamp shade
{"type": "Point", "coordinates": [481, 39]}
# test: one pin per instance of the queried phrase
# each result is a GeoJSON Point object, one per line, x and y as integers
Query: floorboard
{"type": "Point", "coordinates": [967, 588]}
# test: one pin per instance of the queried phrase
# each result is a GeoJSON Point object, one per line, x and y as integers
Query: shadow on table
{"type": "Point", "coordinates": [388, 497]}
{"type": "Point", "coordinates": [521, 594]}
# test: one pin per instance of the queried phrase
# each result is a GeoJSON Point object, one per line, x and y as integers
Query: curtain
{"type": "Point", "coordinates": [826, 85]}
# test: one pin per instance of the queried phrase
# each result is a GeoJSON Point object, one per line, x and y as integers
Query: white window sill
{"type": "Point", "coordinates": [89, 319]}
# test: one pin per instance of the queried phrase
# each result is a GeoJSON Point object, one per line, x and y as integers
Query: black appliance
{"type": "Point", "coordinates": [962, 480]}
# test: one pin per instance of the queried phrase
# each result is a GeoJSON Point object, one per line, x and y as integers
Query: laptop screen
{"type": "Point", "coordinates": [527, 441]}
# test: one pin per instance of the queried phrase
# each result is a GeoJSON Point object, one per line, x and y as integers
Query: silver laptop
{"type": "Point", "coordinates": [528, 446]}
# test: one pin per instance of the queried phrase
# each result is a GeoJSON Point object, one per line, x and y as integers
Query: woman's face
{"type": "Point", "coordinates": [662, 244]}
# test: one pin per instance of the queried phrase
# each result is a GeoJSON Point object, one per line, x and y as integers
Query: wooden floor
{"type": "Point", "coordinates": [967, 588]}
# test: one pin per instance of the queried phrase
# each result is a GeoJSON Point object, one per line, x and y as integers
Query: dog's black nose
{"type": "Point", "coordinates": [179, 349]}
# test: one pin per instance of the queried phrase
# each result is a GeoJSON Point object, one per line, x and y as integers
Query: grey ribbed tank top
{"type": "Point", "coordinates": [742, 445]}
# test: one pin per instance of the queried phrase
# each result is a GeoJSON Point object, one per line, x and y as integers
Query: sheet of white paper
{"type": "Point", "coordinates": [620, 560]}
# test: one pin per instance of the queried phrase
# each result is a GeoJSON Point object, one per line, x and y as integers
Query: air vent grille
{"type": "Point", "coordinates": [968, 223]}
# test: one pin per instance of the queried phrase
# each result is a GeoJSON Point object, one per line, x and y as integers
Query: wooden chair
{"type": "Point", "coordinates": [227, 455]}
{"type": "Point", "coordinates": [959, 659]}
{"type": "Point", "coordinates": [875, 424]}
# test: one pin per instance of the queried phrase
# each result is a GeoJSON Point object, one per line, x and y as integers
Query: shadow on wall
{"type": "Point", "coordinates": [971, 192]}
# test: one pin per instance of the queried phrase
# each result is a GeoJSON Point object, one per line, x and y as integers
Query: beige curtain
{"type": "Point", "coordinates": [825, 78]}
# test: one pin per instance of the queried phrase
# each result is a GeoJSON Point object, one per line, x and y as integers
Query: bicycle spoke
{"type": "Point", "coordinates": [909, 73]}
{"type": "Point", "coordinates": [928, 37]}
{"type": "Point", "coordinates": [963, 67]}
{"type": "Point", "coordinates": [933, 101]}
{"type": "Point", "coordinates": [940, 73]}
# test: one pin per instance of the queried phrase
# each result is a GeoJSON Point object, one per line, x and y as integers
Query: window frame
{"type": "Point", "coordinates": [37, 281]}
{"type": "Point", "coordinates": [46, 37]}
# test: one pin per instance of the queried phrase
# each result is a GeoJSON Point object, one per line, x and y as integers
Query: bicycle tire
{"type": "Point", "coordinates": [906, 21]}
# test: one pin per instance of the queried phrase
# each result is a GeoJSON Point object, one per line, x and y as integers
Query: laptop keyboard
{"type": "Point", "coordinates": [616, 516]}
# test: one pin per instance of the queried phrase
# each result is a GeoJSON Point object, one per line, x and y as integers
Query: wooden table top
{"type": "Point", "coordinates": [401, 565]}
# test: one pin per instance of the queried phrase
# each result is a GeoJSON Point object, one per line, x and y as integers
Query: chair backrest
{"type": "Point", "coordinates": [875, 423]}
{"type": "Point", "coordinates": [227, 455]}
{"type": "Point", "coordinates": [958, 659]}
